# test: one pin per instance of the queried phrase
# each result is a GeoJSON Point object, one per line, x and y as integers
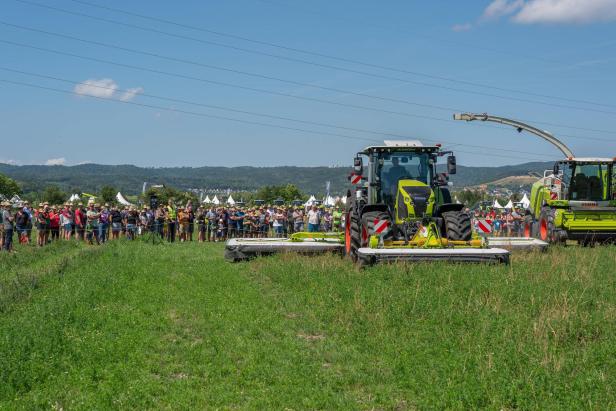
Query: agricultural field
{"type": "Point", "coordinates": [136, 326]}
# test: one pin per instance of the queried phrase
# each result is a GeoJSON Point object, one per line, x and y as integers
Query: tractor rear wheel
{"type": "Point", "coordinates": [457, 226]}
{"type": "Point", "coordinates": [352, 236]}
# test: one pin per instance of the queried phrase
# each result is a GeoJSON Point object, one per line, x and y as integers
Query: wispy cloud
{"type": "Point", "coordinates": [500, 8]}
{"type": "Point", "coordinates": [106, 88]}
{"type": "Point", "coordinates": [102, 88]}
{"type": "Point", "coordinates": [566, 11]}
{"type": "Point", "coordinates": [462, 27]}
{"type": "Point", "coordinates": [56, 161]}
{"type": "Point", "coordinates": [131, 93]}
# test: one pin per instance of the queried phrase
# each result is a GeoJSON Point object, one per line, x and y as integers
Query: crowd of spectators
{"type": "Point", "coordinates": [97, 223]}
{"type": "Point", "coordinates": [505, 222]}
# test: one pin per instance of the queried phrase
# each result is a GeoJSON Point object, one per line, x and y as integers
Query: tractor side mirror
{"type": "Point", "coordinates": [358, 165]}
{"type": "Point", "coordinates": [556, 169]}
{"type": "Point", "coordinates": [451, 165]}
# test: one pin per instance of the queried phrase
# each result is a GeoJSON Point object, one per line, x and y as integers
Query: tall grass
{"type": "Point", "coordinates": [132, 325]}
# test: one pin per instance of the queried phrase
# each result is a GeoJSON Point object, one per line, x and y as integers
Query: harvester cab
{"type": "Point", "coordinates": [576, 200]}
{"type": "Point", "coordinates": [400, 208]}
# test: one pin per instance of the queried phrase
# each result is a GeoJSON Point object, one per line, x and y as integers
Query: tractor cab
{"type": "Point", "coordinates": [584, 179]}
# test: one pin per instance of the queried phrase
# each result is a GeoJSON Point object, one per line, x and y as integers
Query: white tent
{"type": "Point", "coordinates": [344, 200]}
{"type": "Point", "coordinates": [122, 200]}
{"type": "Point", "coordinates": [329, 201]}
{"type": "Point", "coordinates": [525, 201]}
{"type": "Point", "coordinates": [73, 198]}
{"type": "Point", "coordinates": [457, 201]}
{"type": "Point", "coordinates": [497, 204]}
{"type": "Point", "coordinates": [310, 201]}
{"type": "Point", "coordinates": [509, 205]}
{"type": "Point", "coordinates": [216, 200]}
{"type": "Point", "coordinates": [207, 200]}
{"type": "Point", "coordinates": [230, 201]}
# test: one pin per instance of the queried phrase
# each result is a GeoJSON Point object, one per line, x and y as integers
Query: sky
{"type": "Point", "coordinates": [288, 82]}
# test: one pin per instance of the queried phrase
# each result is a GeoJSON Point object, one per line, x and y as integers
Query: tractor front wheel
{"type": "Point", "coordinates": [547, 228]}
{"type": "Point", "coordinates": [457, 226]}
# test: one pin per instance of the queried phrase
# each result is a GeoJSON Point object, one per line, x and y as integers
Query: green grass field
{"type": "Point", "coordinates": [136, 326]}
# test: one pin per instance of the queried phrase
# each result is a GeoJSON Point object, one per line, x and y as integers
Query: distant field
{"type": "Point", "coordinates": [137, 326]}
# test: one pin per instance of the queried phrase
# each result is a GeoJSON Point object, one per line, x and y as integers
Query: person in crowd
{"type": "Point", "coordinates": [337, 220]}
{"type": "Point", "coordinates": [159, 221]}
{"type": "Point", "coordinates": [278, 223]}
{"type": "Point", "coordinates": [298, 219]}
{"type": "Point", "coordinates": [28, 210]}
{"type": "Point", "coordinates": [116, 222]}
{"type": "Point", "coordinates": [8, 220]}
{"type": "Point", "coordinates": [80, 222]}
{"type": "Point", "coordinates": [171, 217]}
{"type": "Point", "coordinates": [201, 224]}
{"type": "Point", "coordinates": [130, 221]}
{"type": "Point", "coordinates": [103, 223]}
{"type": "Point", "coordinates": [67, 221]}
{"type": "Point", "coordinates": [184, 222]}
{"type": "Point", "coordinates": [54, 224]}
{"type": "Point", "coordinates": [92, 216]}
{"type": "Point", "coordinates": [42, 224]}
{"type": "Point", "coordinates": [191, 220]}
{"type": "Point", "coordinates": [21, 225]}
{"type": "Point", "coordinates": [313, 219]}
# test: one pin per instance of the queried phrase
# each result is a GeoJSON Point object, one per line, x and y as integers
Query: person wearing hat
{"type": "Point", "coordinates": [42, 225]}
{"type": "Point", "coordinates": [54, 223]}
{"type": "Point", "coordinates": [21, 224]}
{"type": "Point", "coordinates": [30, 212]}
{"type": "Point", "coordinates": [80, 222]}
{"type": "Point", "coordinates": [131, 223]}
{"type": "Point", "coordinates": [92, 216]}
{"type": "Point", "coordinates": [103, 223]}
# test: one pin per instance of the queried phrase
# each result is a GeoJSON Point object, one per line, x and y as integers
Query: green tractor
{"type": "Point", "coordinates": [400, 209]}
{"type": "Point", "coordinates": [574, 201]}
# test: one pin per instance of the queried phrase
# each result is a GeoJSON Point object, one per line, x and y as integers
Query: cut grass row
{"type": "Point", "coordinates": [131, 325]}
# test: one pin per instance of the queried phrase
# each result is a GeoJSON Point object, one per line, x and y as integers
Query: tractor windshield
{"type": "Point", "coordinates": [588, 181]}
{"type": "Point", "coordinates": [402, 165]}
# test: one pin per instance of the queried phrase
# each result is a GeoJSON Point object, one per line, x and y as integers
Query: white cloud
{"type": "Point", "coordinates": [462, 27]}
{"type": "Point", "coordinates": [566, 11]}
{"type": "Point", "coordinates": [103, 88]}
{"type": "Point", "coordinates": [500, 8]}
{"type": "Point", "coordinates": [56, 161]}
{"type": "Point", "coordinates": [130, 93]}
{"type": "Point", "coordinates": [10, 162]}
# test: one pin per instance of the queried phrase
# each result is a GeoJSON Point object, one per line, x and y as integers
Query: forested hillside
{"type": "Point", "coordinates": [129, 179]}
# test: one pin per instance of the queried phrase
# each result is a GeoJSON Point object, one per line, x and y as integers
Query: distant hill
{"type": "Point", "coordinates": [129, 179]}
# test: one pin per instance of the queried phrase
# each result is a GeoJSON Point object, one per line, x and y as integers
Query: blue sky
{"type": "Point", "coordinates": [561, 51]}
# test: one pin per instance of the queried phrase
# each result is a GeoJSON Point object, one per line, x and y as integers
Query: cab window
{"type": "Point", "coordinates": [590, 182]}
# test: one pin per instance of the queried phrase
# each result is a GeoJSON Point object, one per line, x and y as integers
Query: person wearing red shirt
{"type": "Point", "coordinates": [54, 224]}
{"type": "Point", "coordinates": [80, 222]}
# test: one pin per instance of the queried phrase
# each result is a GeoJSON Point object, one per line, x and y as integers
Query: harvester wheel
{"type": "Point", "coordinates": [547, 230]}
{"type": "Point", "coordinates": [457, 226]}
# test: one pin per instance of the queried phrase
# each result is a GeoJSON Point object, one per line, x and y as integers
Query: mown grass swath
{"type": "Point", "coordinates": [131, 325]}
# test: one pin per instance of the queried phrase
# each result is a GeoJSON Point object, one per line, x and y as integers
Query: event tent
{"type": "Point", "coordinates": [525, 201]}
{"type": "Point", "coordinates": [329, 201]}
{"type": "Point", "coordinates": [215, 200]}
{"type": "Point", "coordinates": [207, 200]}
{"type": "Point", "coordinates": [497, 204]}
{"type": "Point", "coordinates": [310, 201]}
{"type": "Point", "coordinates": [73, 198]}
{"type": "Point", "coordinates": [122, 200]}
{"type": "Point", "coordinates": [509, 205]}
{"type": "Point", "coordinates": [230, 201]}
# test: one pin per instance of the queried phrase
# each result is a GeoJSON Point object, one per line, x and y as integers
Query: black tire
{"type": "Point", "coordinates": [547, 230]}
{"type": "Point", "coordinates": [457, 226]}
{"type": "Point", "coordinates": [367, 221]}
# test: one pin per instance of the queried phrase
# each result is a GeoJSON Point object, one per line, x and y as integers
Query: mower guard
{"type": "Point", "coordinates": [240, 249]}
{"type": "Point", "coordinates": [464, 255]}
{"type": "Point", "coordinates": [517, 243]}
